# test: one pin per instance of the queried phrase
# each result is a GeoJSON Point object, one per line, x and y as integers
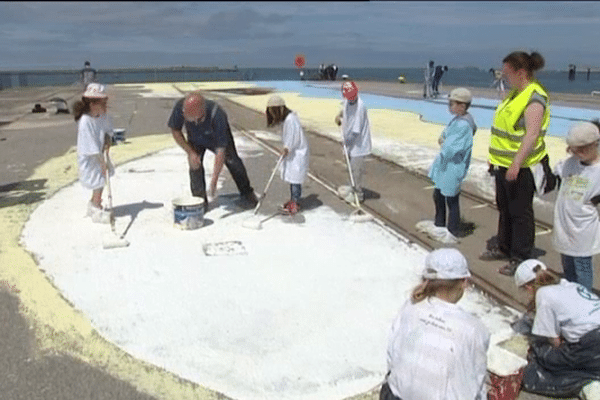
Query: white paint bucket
{"type": "Point", "coordinates": [188, 212]}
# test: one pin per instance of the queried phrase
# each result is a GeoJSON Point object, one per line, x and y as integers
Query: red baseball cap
{"type": "Point", "coordinates": [349, 90]}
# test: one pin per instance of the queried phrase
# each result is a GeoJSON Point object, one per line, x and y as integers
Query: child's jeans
{"type": "Point", "coordinates": [440, 202]}
{"type": "Point", "coordinates": [296, 191]}
{"type": "Point", "coordinates": [579, 270]}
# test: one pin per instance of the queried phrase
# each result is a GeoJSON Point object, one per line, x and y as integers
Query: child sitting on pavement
{"type": "Point", "coordinates": [576, 219]}
{"type": "Point", "coordinates": [437, 350]}
{"type": "Point", "coordinates": [451, 165]}
{"type": "Point", "coordinates": [294, 166]}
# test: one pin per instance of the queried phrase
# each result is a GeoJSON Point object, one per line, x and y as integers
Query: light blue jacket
{"type": "Point", "coordinates": [452, 163]}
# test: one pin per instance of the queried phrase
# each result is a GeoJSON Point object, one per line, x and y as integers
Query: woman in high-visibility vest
{"type": "Point", "coordinates": [517, 143]}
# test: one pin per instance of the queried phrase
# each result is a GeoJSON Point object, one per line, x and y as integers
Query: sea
{"type": "Point", "coordinates": [554, 81]}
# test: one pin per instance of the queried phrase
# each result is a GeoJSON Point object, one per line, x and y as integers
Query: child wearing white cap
{"type": "Point", "coordinates": [451, 165]}
{"type": "Point", "coordinates": [295, 149]}
{"type": "Point", "coordinates": [436, 350]}
{"type": "Point", "coordinates": [94, 132]}
{"type": "Point", "coordinates": [566, 325]}
{"type": "Point", "coordinates": [576, 219]}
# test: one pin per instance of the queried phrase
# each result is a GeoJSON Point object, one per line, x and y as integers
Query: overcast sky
{"type": "Point", "coordinates": [254, 34]}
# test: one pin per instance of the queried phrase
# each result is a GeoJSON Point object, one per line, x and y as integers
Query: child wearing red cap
{"type": "Point", "coordinates": [356, 132]}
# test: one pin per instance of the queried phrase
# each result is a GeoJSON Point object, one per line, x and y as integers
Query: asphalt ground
{"type": "Point", "coordinates": [27, 140]}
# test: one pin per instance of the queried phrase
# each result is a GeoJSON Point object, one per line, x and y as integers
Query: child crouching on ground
{"type": "Point", "coordinates": [576, 220]}
{"type": "Point", "coordinates": [451, 165]}
{"type": "Point", "coordinates": [294, 166]}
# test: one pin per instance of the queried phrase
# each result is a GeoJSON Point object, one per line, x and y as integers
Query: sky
{"type": "Point", "coordinates": [41, 35]}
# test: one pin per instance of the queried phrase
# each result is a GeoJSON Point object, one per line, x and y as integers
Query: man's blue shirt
{"type": "Point", "coordinates": [212, 133]}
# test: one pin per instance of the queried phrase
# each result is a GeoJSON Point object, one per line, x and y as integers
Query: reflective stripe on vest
{"type": "Point", "coordinates": [507, 134]}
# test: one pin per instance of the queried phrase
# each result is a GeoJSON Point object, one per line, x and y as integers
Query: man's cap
{"type": "Point", "coordinates": [446, 263]}
{"type": "Point", "coordinates": [275, 101]}
{"type": "Point", "coordinates": [462, 95]}
{"type": "Point", "coordinates": [582, 133]}
{"type": "Point", "coordinates": [95, 91]}
{"type": "Point", "coordinates": [526, 271]}
{"type": "Point", "coordinates": [349, 90]}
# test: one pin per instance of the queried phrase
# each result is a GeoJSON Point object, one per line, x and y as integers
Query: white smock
{"type": "Point", "coordinates": [576, 220]}
{"type": "Point", "coordinates": [567, 309]}
{"type": "Point", "coordinates": [437, 351]}
{"type": "Point", "coordinates": [90, 142]}
{"type": "Point", "coordinates": [294, 166]}
{"type": "Point", "coordinates": [356, 129]}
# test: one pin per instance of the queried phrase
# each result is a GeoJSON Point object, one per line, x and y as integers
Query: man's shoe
{"type": "Point", "coordinates": [493, 255]}
{"type": "Point", "coordinates": [249, 200]}
{"type": "Point", "coordinates": [510, 268]}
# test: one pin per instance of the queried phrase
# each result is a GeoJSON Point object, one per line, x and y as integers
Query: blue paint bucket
{"type": "Point", "coordinates": [188, 212]}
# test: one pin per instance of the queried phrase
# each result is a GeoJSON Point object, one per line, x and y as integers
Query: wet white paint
{"type": "Point", "coordinates": [302, 313]}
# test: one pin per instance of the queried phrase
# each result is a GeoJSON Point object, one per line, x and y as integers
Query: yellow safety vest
{"type": "Point", "coordinates": [508, 128]}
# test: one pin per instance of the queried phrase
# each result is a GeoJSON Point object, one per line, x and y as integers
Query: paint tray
{"type": "Point", "coordinates": [229, 248]}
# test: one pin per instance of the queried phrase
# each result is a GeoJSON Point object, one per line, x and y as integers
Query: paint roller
{"type": "Point", "coordinates": [112, 240]}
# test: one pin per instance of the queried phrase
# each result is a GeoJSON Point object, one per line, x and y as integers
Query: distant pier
{"type": "Point", "coordinates": [23, 78]}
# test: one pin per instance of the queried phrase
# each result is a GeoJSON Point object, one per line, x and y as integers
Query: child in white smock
{"type": "Point", "coordinates": [296, 152]}
{"type": "Point", "coordinates": [356, 133]}
{"type": "Point", "coordinates": [576, 219]}
{"type": "Point", "coordinates": [563, 356]}
{"type": "Point", "coordinates": [94, 133]}
{"type": "Point", "coordinates": [436, 350]}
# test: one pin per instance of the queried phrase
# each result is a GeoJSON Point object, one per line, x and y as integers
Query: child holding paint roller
{"type": "Point", "coordinates": [356, 133]}
{"type": "Point", "coordinates": [94, 131]}
{"type": "Point", "coordinates": [296, 153]}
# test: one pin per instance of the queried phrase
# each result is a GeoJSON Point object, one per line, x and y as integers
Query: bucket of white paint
{"type": "Point", "coordinates": [188, 212]}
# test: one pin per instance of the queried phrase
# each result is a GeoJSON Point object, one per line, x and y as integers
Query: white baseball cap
{"type": "Point", "coordinates": [525, 272]}
{"type": "Point", "coordinates": [582, 133]}
{"type": "Point", "coordinates": [461, 94]}
{"type": "Point", "coordinates": [275, 101]}
{"type": "Point", "coordinates": [446, 263]}
{"type": "Point", "coordinates": [95, 91]}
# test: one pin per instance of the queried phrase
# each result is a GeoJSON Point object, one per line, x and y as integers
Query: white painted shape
{"type": "Point", "coordinates": [305, 315]}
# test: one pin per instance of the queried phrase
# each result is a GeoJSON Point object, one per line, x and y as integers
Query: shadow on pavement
{"type": "Point", "coordinates": [24, 192]}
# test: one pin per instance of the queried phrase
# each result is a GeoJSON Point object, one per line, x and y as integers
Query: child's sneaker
{"type": "Point", "coordinates": [90, 209]}
{"type": "Point", "coordinates": [291, 207]}
{"type": "Point", "coordinates": [100, 216]}
{"type": "Point", "coordinates": [591, 391]}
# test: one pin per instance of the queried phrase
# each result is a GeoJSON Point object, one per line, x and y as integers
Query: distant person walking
{"type": "Point", "coordinates": [94, 132]}
{"type": "Point", "coordinates": [208, 129]}
{"type": "Point", "coordinates": [356, 133]}
{"type": "Point", "coordinates": [498, 82]}
{"type": "Point", "coordinates": [88, 74]}
{"type": "Point", "coordinates": [295, 149]}
{"type": "Point", "coordinates": [437, 77]}
{"type": "Point", "coordinates": [428, 77]}
{"type": "Point", "coordinates": [436, 350]}
{"type": "Point", "coordinates": [451, 166]}
{"type": "Point", "coordinates": [517, 143]}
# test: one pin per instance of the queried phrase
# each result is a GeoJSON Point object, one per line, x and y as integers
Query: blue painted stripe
{"type": "Point", "coordinates": [435, 110]}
